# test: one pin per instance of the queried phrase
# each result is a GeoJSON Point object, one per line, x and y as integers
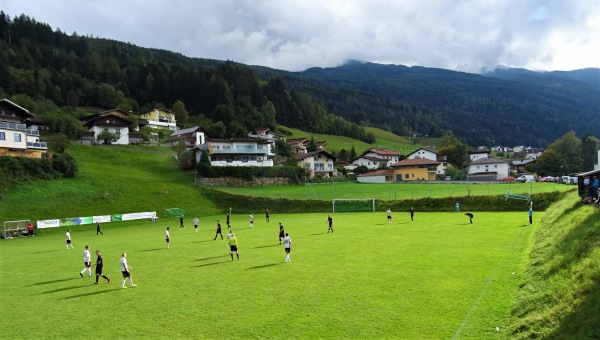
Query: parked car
{"type": "Point", "coordinates": [526, 178]}
{"type": "Point", "coordinates": [507, 179]}
{"type": "Point", "coordinates": [547, 179]}
{"type": "Point", "coordinates": [569, 180]}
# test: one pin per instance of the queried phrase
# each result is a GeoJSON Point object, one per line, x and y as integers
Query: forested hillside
{"type": "Point", "coordinates": [227, 99]}
{"type": "Point", "coordinates": [532, 109]}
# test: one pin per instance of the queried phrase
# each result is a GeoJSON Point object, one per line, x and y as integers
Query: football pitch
{"type": "Point", "coordinates": [438, 277]}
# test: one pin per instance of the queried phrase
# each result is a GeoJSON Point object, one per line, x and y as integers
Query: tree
{"type": "Point", "coordinates": [342, 155]}
{"type": "Point", "coordinates": [108, 137]}
{"type": "Point", "coordinates": [181, 114]}
{"type": "Point", "coordinates": [282, 148]}
{"type": "Point", "coordinates": [352, 153]}
{"type": "Point", "coordinates": [590, 146]}
{"type": "Point", "coordinates": [312, 145]}
{"type": "Point", "coordinates": [550, 163]}
{"type": "Point", "coordinates": [569, 149]}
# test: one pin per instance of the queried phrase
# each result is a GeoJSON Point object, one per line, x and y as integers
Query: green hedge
{"type": "Point", "coordinates": [474, 203]}
{"type": "Point", "coordinates": [19, 170]}
{"type": "Point", "coordinates": [250, 172]}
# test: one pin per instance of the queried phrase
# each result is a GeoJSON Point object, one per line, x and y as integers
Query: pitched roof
{"type": "Point", "coordinates": [489, 160]}
{"type": "Point", "coordinates": [416, 161]}
{"type": "Point", "coordinates": [100, 120]}
{"type": "Point", "coordinates": [295, 140]}
{"type": "Point", "coordinates": [478, 151]}
{"type": "Point", "coordinates": [434, 151]}
{"type": "Point", "coordinates": [383, 152]}
{"type": "Point", "coordinates": [16, 106]}
{"type": "Point", "coordinates": [378, 173]}
{"type": "Point", "coordinates": [372, 158]}
{"type": "Point", "coordinates": [302, 156]}
{"type": "Point", "coordinates": [186, 131]}
{"type": "Point", "coordinates": [524, 161]}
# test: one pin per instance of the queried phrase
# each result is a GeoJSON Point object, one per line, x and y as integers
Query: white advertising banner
{"type": "Point", "coordinates": [101, 219]}
{"type": "Point", "coordinates": [137, 216]}
{"type": "Point", "coordinates": [48, 224]}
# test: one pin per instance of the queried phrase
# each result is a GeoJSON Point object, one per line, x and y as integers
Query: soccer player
{"type": "Point", "coordinates": [470, 216]}
{"type": "Point", "coordinates": [87, 261]}
{"type": "Point", "coordinates": [457, 206]}
{"type": "Point", "coordinates": [389, 216]}
{"type": "Point", "coordinates": [530, 215]}
{"type": "Point", "coordinates": [287, 244]}
{"type": "Point", "coordinates": [196, 224]}
{"type": "Point", "coordinates": [68, 236]}
{"type": "Point", "coordinates": [218, 232]}
{"type": "Point", "coordinates": [181, 222]}
{"type": "Point", "coordinates": [233, 246]}
{"type": "Point", "coordinates": [267, 215]}
{"type": "Point", "coordinates": [281, 232]}
{"type": "Point", "coordinates": [98, 229]}
{"type": "Point", "coordinates": [251, 221]}
{"type": "Point", "coordinates": [167, 237]}
{"type": "Point", "coordinates": [228, 224]}
{"type": "Point", "coordinates": [30, 229]}
{"type": "Point", "coordinates": [99, 264]}
{"type": "Point", "coordinates": [125, 269]}
{"type": "Point", "coordinates": [412, 213]}
{"type": "Point", "coordinates": [330, 222]}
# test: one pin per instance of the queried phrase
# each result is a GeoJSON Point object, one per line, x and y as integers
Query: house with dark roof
{"type": "Point", "coordinates": [191, 137]}
{"type": "Point", "coordinates": [479, 154]}
{"type": "Point", "coordinates": [19, 136]}
{"type": "Point", "coordinates": [488, 169]}
{"type": "Point", "coordinates": [114, 121]}
{"type": "Point", "coordinates": [418, 169]}
{"type": "Point", "coordinates": [317, 163]}
{"type": "Point", "coordinates": [520, 165]}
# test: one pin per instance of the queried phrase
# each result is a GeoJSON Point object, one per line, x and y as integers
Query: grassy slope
{"type": "Point", "coordinates": [336, 143]}
{"type": "Point", "coordinates": [560, 297]}
{"type": "Point", "coordinates": [135, 179]}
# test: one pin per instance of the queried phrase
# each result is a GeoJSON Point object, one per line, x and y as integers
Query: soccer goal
{"type": "Point", "coordinates": [174, 212]}
{"type": "Point", "coordinates": [354, 205]}
{"type": "Point", "coordinates": [14, 229]}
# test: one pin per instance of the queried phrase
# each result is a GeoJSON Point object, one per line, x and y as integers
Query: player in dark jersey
{"type": "Point", "coordinates": [228, 224]}
{"type": "Point", "coordinates": [470, 216]}
{"type": "Point", "coordinates": [412, 214]}
{"type": "Point", "coordinates": [99, 264]}
{"type": "Point", "coordinates": [281, 232]}
{"type": "Point", "coordinates": [218, 232]}
{"type": "Point", "coordinates": [330, 222]}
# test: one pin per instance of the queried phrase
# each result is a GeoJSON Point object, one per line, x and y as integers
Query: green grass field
{"type": "Point", "coordinates": [437, 277]}
{"type": "Point", "coordinates": [328, 191]}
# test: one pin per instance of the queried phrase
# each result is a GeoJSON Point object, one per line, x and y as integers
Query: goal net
{"type": "Point", "coordinates": [354, 205]}
{"type": "Point", "coordinates": [13, 229]}
{"type": "Point", "coordinates": [174, 212]}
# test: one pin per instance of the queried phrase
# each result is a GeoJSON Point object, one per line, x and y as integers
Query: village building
{"type": "Point", "coordinates": [159, 119]}
{"type": "Point", "coordinates": [317, 163]}
{"type": "Point", "coordinates": [19, 136]}
{"type": "Point", "coordinates": [418, 169]}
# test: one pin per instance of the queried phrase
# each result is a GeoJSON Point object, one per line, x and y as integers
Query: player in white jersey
{"type": "Point", "coordinates": [125, 269]}
{"type": "Point", "coordinates": [389, 215]}
{"type": "Point", "coordinates": [196, 223]}
{"type": "Point", "coordinates": [167, 237]}
{"type": "Point", "coordinates": [251, 221]}
{"type": "Point", "coordinates": [68, 236]}
{"type": "Point", "coordinates": [87, 260]}
{"type": "Point", "coordinates": [287, 244]}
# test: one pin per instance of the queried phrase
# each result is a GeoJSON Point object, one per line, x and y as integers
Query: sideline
{"type": "Point", "coordinates": [485, 288]}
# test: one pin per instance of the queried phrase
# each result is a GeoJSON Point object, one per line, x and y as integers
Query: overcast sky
{"type": "Point", "coordinates": [298, 34]}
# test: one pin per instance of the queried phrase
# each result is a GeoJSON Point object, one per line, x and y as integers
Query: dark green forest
{"type": "Point", "coordinates": [532, 109]}
{"type": "Point", "coordinates": [39, 64]}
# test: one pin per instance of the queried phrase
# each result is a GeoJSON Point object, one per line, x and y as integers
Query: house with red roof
{"type": "Point", "coordinates": [375, 158]}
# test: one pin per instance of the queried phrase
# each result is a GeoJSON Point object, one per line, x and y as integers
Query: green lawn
{"type": "Point", "coordinates": [328, 191]}
{"type": "Point", "coordinates": [437, 277]}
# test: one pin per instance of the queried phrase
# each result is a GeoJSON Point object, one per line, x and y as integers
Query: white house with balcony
{"type": "Point", "coordinates": [374, 158]}
{"type": "Point", "coordinates": [16, 138]}
{"type": "Point", "coordinates": [488, 169]}
{"type": "Point", "coordinates": [159, 119]}
{"type": "Point", "coordinates": [238, 152]}
{"type": "Point", "coordinates": [479, 154]}
{"type": "Point", "coordinates": [317, 163]}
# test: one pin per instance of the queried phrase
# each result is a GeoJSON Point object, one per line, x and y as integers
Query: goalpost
{"type": "Point", "coordinates": [13, 229]}
{"type": "Point", "coordinates": [174, 212]}
{"type": "Point", "coordinates": [353, 205]}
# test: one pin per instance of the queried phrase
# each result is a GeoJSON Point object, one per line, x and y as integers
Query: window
{"type": "Point", "coordinates": [17, 137]}
{"type": "Point", "coordinates": [495, 166]}
{"type": "Point", "coordinates": [2, 136]}
{"type": "Point", "coordinates": [406, 176]}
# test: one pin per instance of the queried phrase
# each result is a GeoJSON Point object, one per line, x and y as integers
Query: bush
{"type": "Point", "coordinates": [250, 172]}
